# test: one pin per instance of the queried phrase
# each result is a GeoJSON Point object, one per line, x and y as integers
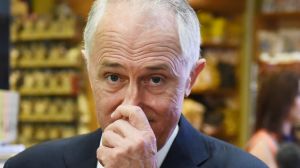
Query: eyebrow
{"type": "Point", "coordinates": [111, 64]}
{"type": "Point", "coordinates": [158, 67]}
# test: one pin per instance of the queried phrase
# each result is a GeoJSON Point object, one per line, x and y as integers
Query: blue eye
{"type": "Point", "coordinates": [113, 78]}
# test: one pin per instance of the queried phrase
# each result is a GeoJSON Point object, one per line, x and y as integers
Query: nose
{"type": "Point", "coordinates": [132, 95]}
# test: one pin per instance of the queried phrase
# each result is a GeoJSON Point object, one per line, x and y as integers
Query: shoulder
{"type": "Point", "coordinates": [207, 151]}
{"type": "Point", "coordinates": [229, 155]}
{"type": "Point", "coordinates": [265, 139]}
{"type": "Point", "coordinates": [51, 153]}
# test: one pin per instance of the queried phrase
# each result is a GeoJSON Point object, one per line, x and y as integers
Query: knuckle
{"type": "Point", "coordinates": [105, 137]}
{"type": "Point", "coordinates": [137, 108]}
{"type": "Point", "coordinates": [109, 127]}
{"type": "Point", "coordinates": [118, 123]}
{"type": "Point", "coordinates": [140, 142]}
{"type": "Point", "coordinates": [128, 149]}
{"type": "Point", "coordinates": [140, 146]}
{"type": "Point", "coordinates": [100, 154]}
{"type": "Point", "coordinates": [117, 154]}
{"type": "Point", "coordinates": [149, 137]}
{"type": "Point", "coordinates": [105, 134]}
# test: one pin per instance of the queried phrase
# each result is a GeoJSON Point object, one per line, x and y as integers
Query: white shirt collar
{"type": "Point", "coordinates": [162, 153]}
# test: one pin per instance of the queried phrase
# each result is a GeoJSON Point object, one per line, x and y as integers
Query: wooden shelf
{"type": "Point", "coordinates": [46, 119]}
{"type": "Point", "coordinates": [274, 21]}
{"type": "Point", "coordinates": [46, 65]}
{"type": "Point", "coordinates": [221, 45]}
{"type": "Point", "coordinates": [266, 68]}
{"type": "Point", "coordinates": [280, 16]}
{"type": "Point", "coordinates": [47, 93]}
{"type": "Point", "coordinates": [216, 93]}
{"type": "Point", "coordinates": [219, 6]}
{"type": "Point", "coordinates": [45, 38]}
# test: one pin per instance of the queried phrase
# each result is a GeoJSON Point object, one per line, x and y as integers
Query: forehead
{"type": "Point", "coordinates": [142, 14]}
{"type": "Point", "coordinates": [134, 24]}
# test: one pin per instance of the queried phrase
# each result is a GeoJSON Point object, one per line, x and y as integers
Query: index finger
{"type": "Point", "coordinates": [135, 115]}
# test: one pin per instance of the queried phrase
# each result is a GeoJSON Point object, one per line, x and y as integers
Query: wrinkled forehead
{"type": "Point", "coordinates": [134, 20]}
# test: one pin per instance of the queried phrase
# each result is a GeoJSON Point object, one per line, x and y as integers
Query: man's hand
{"type": "Point", "coordinates": [129, 141]}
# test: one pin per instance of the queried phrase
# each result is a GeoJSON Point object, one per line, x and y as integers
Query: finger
{"type": "Point", "coordinates": [122, 127]}
{"type": "Point", "coordinates": [111, 139]}
{"type": "Point", "coordinates": [102, 155]}
{"type": "Point", "coordinates": [105, 156]}
{"type": "Point", "coordinates": [135, 115]}
{"type": "Point", "coordinates": [111, 157]}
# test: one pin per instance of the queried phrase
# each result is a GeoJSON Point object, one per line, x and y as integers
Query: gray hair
{"type": "Point", "coordinates": [186, 19]}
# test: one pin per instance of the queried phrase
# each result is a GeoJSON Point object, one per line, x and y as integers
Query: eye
{"type": "Point", "coordinates": [113, 78]}
{"type": "Point", "coordinates": [156, 80]}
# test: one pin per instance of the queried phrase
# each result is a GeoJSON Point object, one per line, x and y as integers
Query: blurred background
{"type": "Point", "coordinates": [45, 92]}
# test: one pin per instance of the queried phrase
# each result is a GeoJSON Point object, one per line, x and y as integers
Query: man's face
{"type": "Point", "coordinates": [136, 66]}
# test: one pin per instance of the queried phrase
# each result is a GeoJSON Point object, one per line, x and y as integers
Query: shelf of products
{"type": "Point", "coordinates": [42, 55]}
{"type": "Point", "coordinates": [220, 31]}
{"type": "Point", "coordinates": [41, 28]}
{"type": "Point", "coordinates": [216, 90]}
{"type": "Point", "coordinates": [279, 46]}
{"type": "Point", "coordinates": [44, 83]}
{"type": "Point", "coordinates": [45, 109]}
{"type": "Point", "coordinates": [35, 133]}
{"type": "Point", "coordinates": [47, 71]}
{"type": "Point", "coordinates": [278, 34]}
{"type": "Point", "coordinates": [279, 6]}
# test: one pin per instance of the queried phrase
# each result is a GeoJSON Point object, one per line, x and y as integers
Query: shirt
{"type": "Point", "coordinates": [162, 153]}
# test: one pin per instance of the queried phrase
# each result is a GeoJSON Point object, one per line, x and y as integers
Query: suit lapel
{"type": "Point", "coordinates": [188, 149]}
{"type": "Point", "coordinates": [81, 152]}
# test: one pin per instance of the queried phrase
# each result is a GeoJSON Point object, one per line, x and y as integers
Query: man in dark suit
{"type": "Point", "coordinates": [142, 59]}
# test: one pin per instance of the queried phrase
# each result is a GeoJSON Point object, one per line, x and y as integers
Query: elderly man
{"type": "Point", "coordinates": [142, 59]}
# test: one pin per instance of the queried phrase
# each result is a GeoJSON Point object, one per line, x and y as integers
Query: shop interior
{"type": "Point", "coordinates": [45, 92]}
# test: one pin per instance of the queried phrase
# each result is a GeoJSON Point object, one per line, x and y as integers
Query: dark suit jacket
{"type": "Point", "coordinates": [190, 149]}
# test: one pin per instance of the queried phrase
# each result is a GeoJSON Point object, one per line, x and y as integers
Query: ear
{"type": "Point", "coordinates": [85, 57]}
{"type": "Point", "coordinates": [194, 74]}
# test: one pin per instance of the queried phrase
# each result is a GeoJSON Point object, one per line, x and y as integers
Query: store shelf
{"type": "Point", "coordinates": [46, 65]}
{"type": "Point", "coordinates": [267, 68]}
{"type": "Point", "coordinates": [280, 16]}
{"type": "Point", "coordinates": [46, 119]}
{"type": "Point", "coordinates": [216, 93]}
{"type": "Point", "coordinates": [47, 93]}
{"type": "Point", "coordinates": [213, 45]}
{"type": "Point", "coordinates": [222, 42]}
{"type": "Point", "coordinates": [47, 70]}
{"type": "Point", "coordinates": [219, 6]}
{"type": "Point", "coordinates": [45, 37]}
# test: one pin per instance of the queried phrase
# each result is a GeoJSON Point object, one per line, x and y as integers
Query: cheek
{"type": "Point", "coordinates": [105, 104]}
{"type": "Point", "coordinates": [167, 112]}
{"type": "Point", "coordinates": [166, 109]}
{"type": "Point", "coordinates": [167, 103]}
